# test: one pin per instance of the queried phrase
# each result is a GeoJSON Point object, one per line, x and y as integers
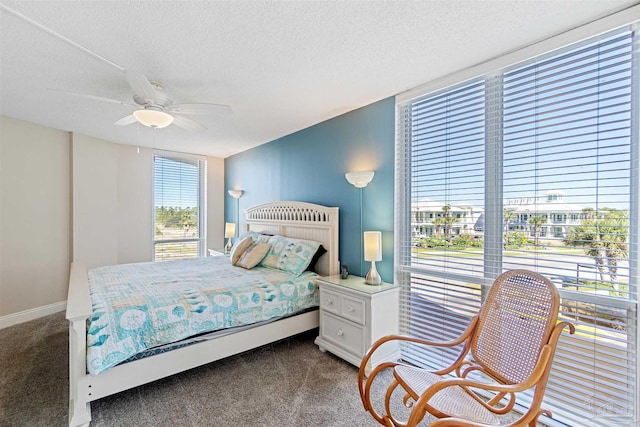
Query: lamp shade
{"type": "Point", "coordinates": [153, 118]}
{"type": "Point", "coordinates": [229, 229]}
{"type": "Point", "coordinates": [359, 179]}
{"type": "Point", "coordinates": [235, 193]}
{"type": "Point", "coordinates": [372, 246]}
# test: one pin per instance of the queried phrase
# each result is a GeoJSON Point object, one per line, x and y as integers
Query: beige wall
{"type": "Point", "coordinates": [95, 201]}
{"type": "Point", "coordinates": [112, 214]}
{"type": "Point", "coordinates": [69, 196]}
{"type": "Point", "coordinates": [35, 215]}
{"type": "Point", "coordinates": [135, 200]}
{"type": "Point", "coordinates": [215, 203]}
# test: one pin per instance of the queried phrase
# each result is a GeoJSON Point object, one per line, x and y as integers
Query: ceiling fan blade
{"type": "Point", "coordinates": [126, 120]}
{"type": "Point", "coordinates": [92, 97]}
{"type": "Point", "coordinates": [188, 124]}
{"type": "Point", "coordinates": [141, 86]}
{"type": "Point", "coordinates": [199, 109]}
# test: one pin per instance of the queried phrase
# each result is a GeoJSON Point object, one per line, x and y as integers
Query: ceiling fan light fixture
{"type": "Point", "coordinates": [153, 118]}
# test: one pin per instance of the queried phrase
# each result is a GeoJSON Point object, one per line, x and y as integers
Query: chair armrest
{"type": "Point", "coordinates": [365, 360]}
{"type": "Point", "coordinates": [541, 365]}
{"type": "Point", "coordinates": [459, 340]}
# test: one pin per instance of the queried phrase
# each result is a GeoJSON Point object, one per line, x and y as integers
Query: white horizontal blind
{"type": "Point", "coordinates": [178, 207]}
{"type": "Point", "coordinates": [567, 175]}
{"type": "Point", "coordinates": [555, 134]}
{"type": "Point", "coordinates": [446, 163]}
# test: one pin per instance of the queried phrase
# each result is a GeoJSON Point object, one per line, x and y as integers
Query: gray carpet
{"type": "Point", "coordinates": [288, 383]}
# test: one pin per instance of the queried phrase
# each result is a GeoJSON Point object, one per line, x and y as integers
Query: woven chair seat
{"type": "Point", "coordinates": [453, 401]}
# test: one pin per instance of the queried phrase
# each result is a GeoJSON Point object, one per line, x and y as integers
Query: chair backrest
{"type": "Point", "coordinates": [515, 322]}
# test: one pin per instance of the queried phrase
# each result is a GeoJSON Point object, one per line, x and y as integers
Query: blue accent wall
{"type": "Point", "coordinates": [309, 166]}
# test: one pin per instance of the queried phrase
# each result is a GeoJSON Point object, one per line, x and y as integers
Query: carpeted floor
{"type": "Point", "coordinates": [288, 383]}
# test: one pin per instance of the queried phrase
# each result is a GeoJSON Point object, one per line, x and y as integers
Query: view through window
{"type": "Point", "coordinates": [178, 207]}
{"type": "Point", "coordinates": [530, 167]}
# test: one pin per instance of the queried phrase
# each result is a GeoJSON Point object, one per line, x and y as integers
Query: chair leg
{"type": "Point", "coordinates": [368, 404]}
{"type": "Point", "coordinates": [417, 413]}
{"type": "Point", "coordinates": [387, 418]}
{"type": "Point", "coordinates": [387, 404]}
{"type": "Point", "coordinates": [534, 421]}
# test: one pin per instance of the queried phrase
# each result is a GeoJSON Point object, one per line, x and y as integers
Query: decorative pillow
{"type": "Point", "coordinates": [312, 265]}
{"type": "Point", "coordinates": [291, 255]}
{"type": "Point", "coordinates": [253, 255]}
{"type": "Point", "coordinates": [257, 237]}
{"type": "Point", "coordinates": [279, 247]}
{"type": "Point", "coordinates": [239, 248]}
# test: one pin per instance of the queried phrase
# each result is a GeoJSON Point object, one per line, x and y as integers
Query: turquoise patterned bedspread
{"type": "Point", "coordinates": [143, 305]}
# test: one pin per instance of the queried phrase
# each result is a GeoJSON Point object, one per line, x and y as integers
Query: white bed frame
{"type": "Point", "coordinates": [293, 219]}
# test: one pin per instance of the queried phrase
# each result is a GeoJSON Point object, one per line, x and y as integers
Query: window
{"type": "Point", "coordinates": [178, 207]}
{"type": "Point", "coordinates": [522, 150]}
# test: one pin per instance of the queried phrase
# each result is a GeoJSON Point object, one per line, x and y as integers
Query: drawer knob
{"type": "Point", "coordinates": [340, 333]}
{"type": "Point", "coordinates": [329, 301]}
{"type": "Point", "coordinates": [350, 308]}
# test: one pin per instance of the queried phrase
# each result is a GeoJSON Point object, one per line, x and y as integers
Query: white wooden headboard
{"type": "Point", "coordinates": [300, 220]}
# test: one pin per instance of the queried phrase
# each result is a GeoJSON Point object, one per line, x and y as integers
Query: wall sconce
{"type": "Point", "coordinates": [229, 233]}
{"type": "Point", "coordinates": [235, 193]}
{"type": "Point", "coordinates": [373, 253]}
{"type": "Point", "coordinates": [359, 179]}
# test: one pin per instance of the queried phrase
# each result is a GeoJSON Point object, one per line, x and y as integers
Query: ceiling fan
{"type": "Point", "coordinates": [155, 109]}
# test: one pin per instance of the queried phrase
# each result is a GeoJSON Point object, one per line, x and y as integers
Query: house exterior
{"type": "Point", "coordinates": [425, 215]}
{"type": "Point", "coordinates": [558, 215]}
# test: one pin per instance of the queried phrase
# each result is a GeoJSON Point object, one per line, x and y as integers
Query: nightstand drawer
{"type": "Point", "coordinates": [330, 301]}
{"type": "Point", "coordinates": [343, 333]}
{"type": "Point", "coordinates": [353, 309]}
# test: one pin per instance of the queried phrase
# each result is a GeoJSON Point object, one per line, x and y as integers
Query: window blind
{"type": "Point", "coordinates": [566, 179]}
{"type": "Point", "coordinates": [178, 207]}
{"type": "Point", "coordinates": [531, 167]}
{"type": "Point", "coordinates": [446, 164]}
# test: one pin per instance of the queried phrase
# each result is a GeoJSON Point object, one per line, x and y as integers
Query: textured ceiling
{"type": "Point", "coordinates": [281, 65]}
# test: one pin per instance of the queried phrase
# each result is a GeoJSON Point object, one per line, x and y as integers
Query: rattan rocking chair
{"type": "Point", "coordinates": [510, 343]}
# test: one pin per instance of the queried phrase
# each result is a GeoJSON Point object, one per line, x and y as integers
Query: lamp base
{"type": "Point", "coordinates": [227, 248]}
{"type": "Point", "coordinates": [373, 278]}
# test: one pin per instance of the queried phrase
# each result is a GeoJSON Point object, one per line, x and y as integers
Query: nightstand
{"type": "Point", "coordinates": [353, 315]}
{"type": "Point", "coordinates": [216, 252]}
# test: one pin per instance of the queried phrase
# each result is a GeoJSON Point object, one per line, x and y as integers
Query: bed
{"type": "Point", "coordinates": [297, 220]}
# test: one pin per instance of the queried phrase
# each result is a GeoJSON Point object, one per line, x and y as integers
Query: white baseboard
{"type": "Point", "coordinates": [31, 314]}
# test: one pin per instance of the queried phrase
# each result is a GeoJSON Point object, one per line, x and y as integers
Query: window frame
{"type": "Point", "coordinates": [492, 71]}
{"type": "Point", "coordinates": [202, 201]}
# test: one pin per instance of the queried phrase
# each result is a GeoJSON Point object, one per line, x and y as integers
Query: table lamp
{"type": "Point", "coordinates": [373, 253]}
{"type": "Point", "coordinates": [229, 233]}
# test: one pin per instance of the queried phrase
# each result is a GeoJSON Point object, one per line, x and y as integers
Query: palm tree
{"type": "Point", "coordinates": [589, 213]}
{"type": "Point", "coordinates": [614, 227]}
{"type": "Point", "coordinates": [507, 217]}
{"type": "Point", "coordinates": [536, 221]}
{"type": "Point", "coordinates": [604, 238]}
{"type": "Point", "coordinates": [187, 219]}
{"type": "Point", "coordinates": [438, 223]}
{"type": "Point", "coordinates": [448, 221]}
